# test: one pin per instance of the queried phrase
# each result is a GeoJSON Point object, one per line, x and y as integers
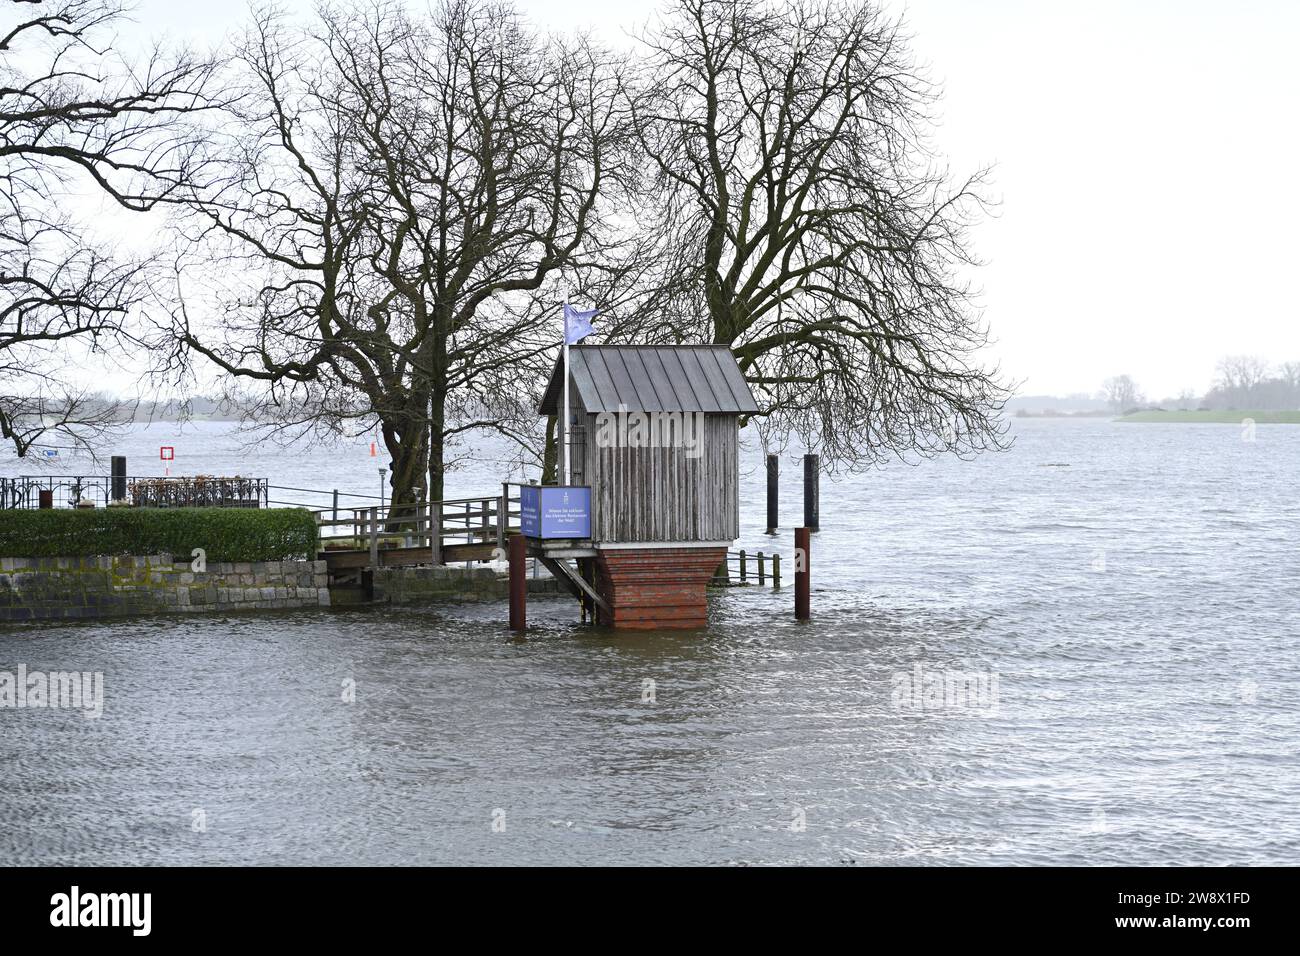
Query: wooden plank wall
{"type": "Point", "coordinates": [661, 494]}
{"type": "Point", "coordinates": [581, 438]}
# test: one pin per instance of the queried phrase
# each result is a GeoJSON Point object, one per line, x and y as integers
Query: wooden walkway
{"type": "Point", "coordinates": [406, 535]}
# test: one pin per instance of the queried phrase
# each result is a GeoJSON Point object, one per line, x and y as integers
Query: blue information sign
{"type": "Point", "coordinates": [555, 511]}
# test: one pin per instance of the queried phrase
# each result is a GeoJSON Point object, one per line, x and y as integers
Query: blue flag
{"type": "Point", "coordinates": [577, 324]}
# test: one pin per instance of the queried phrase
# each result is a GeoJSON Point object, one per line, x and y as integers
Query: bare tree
{"type": "Point", "coordinates": [404, 194]}
{"type": "Point", "coordinates": [812, 227]}
{"type": "Point", "coordinates": [74, 116]}
{"type": "Point", "coordinates": [1122, 393]}
{"type": "Point", "coordinates": [1238, 380]}
{"type": "Point", "coordinates": [1289, 373]}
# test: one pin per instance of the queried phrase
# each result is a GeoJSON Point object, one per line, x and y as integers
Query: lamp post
{"type": "Point", "coordinates": [382, 473]}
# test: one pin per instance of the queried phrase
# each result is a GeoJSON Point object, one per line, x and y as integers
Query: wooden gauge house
{"type": "Point", "coordinates": [654, 432]}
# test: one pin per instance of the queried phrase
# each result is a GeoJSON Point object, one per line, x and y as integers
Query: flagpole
{"type": "Point", "coordinates": [566, 390]}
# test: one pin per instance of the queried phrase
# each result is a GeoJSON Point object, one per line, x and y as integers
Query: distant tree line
{"type": "Point", "coordinates": [372, 214]}
{"type": "Point", "coordinates": [1245, 382]}
{"type": "Point", "coordinates": [1242, 382]}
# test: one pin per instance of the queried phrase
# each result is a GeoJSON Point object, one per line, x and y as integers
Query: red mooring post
{"type": "Point", "coordinates": [802, 574]}
{"type": "Point", "coordinates": [518, 583]}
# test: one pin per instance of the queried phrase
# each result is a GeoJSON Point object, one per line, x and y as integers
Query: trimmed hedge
{"type": "Point", "coordinates": [225, 534]}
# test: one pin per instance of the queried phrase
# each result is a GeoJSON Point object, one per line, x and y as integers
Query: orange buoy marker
{"type": "Point", "coordinates": [372, 449]}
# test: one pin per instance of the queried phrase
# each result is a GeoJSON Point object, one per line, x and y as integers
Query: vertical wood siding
{"type": "Point", "coordinates": [661, 494]}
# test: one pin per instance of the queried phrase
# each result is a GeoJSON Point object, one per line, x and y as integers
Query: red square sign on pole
{"type": "Point", "coordinates": [167, 453]}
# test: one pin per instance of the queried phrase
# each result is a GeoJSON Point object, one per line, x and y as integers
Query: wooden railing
{"type": "Point", "coordinates": [746, 567]}
{"type": "Point", "coordinates": [439, 527]}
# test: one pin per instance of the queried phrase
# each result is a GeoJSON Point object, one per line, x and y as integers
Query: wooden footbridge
{"type": "Point", "coordinates": [451, 531]}
{"type": "Point", "coordinates": [356, 540]}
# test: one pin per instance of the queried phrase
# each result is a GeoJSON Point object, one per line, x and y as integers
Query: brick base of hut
{"type": "Point", "coordinates": [657, 588]}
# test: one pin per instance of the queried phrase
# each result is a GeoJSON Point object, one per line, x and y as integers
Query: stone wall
{"type": "Point", "coordinates": [51, 588]}
{"type": "Point", "coordinates": [436, 584]}
{"type": "Point", "coordinates": [450, 584]}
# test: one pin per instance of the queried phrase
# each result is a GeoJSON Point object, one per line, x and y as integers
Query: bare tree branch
{"type": "Point", "coordinates": [75, 116]}
{"type": "Point", "coordinates": [813, 228]}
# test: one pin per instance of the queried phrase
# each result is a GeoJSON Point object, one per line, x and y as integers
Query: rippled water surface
{"type": "Point", "coordinates": [1133, 589]}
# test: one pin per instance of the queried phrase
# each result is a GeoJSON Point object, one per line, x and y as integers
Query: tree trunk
{"type": "Point", "coordinates": [408, 464]}
{"type": "Point", "coordinates": [437, 475]}
{"type": "Point", "coordinates": [408, 450]}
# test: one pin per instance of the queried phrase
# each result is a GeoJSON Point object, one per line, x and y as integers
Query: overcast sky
{"type": "Point", "coordinates": [1143, 154]}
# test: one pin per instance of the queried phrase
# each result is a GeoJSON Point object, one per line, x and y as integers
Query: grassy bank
{"type": "Point", "coordinates": [1223, 418]}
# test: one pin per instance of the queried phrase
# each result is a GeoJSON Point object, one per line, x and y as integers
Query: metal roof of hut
{"type": "Point", "coordinates": [652, 378]}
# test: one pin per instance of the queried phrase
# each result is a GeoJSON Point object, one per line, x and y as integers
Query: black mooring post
{"type": "Point", "coordinates": [117, 466]}
{"type": "Point", "coordinates": [518, 583]}
{"type": "Point", "coordinates": [811, 506]}
{"type": "Point", "coordinates": [802, 574]}
{"type": "Point", "coordinates": [772, 465]}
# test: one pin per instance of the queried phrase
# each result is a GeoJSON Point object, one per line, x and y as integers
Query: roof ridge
{"type": "Point", "coordinates": [648, 345]}
{"type": "Point", "coordinates": [665, 378]}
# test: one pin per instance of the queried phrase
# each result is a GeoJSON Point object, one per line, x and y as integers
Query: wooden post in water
{"type": "Point", "coordinates": [762, 578]}
{"type": "Point", "coordinates": [811, 503]}
{"type": "Point", "coordinates": [518, 583]}
{"type": "Point", "coordinates": [776, 571]}
{"type": "Point", "coordinates": [336, 505]}
{"type": "Point", "coordinates": [773, 464]}
{"type": "Point", "coordinates": [587, 568]}
{"type": "Point", "coordinates": [802, 574]}
{"type": "Point", "coordinates": [743, 569]}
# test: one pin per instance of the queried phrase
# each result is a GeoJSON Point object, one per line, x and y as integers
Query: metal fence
{"type": "Point", "coordinates": [200, 491]}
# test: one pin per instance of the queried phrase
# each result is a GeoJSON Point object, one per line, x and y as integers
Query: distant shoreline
{"type": "Point", "coordinates": [1235, 417]}
{"type": "Point", "coordinates": [1051, 413]}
